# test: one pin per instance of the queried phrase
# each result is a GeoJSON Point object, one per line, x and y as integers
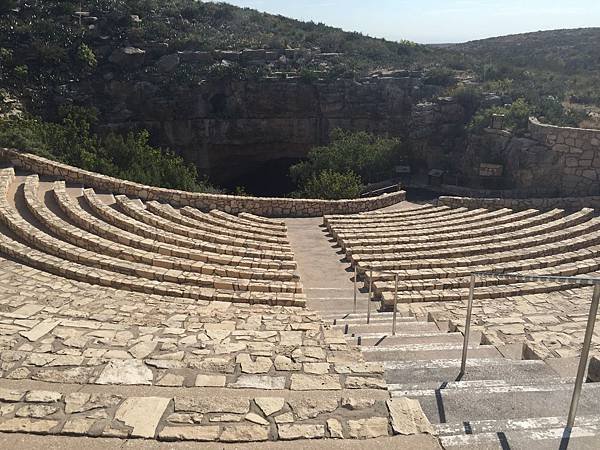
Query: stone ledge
{"type": "Point", "coordinates": [269, 207]}
{"type": "Point", "coordinates": [203, 419]}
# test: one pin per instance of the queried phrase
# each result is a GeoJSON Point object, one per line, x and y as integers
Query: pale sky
{"type": "Point", "coordinates": [437, 21]}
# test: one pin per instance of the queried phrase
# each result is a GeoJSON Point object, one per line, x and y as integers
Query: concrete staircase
{"type": "Point", "coordinates": [498, 403]}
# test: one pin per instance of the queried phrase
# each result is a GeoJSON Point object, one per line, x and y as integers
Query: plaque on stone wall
{"type": "Point", "coordinates": [498, 121]}
{"type": "Point", "coordinates": [490, 170]}
{"type": "Point", "coordinates": [403, 169]}
{"type": "Point", "coordinates": [436, 173]}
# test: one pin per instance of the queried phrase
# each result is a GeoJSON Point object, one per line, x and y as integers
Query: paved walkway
{"type": "Point", "coordinates": [325, 275]}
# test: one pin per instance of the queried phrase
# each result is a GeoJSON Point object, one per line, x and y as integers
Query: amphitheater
{"type": "Point", "coordinates": [137, 317]}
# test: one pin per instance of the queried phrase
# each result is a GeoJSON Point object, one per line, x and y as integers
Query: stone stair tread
{"type": "Point", "coordinates": [584, 438]}
{"type": "Point", "coordinates": [445, 370]}
{"type": "Point", "coordinates": [493, 425]}
{"type": "Point", "coordinates": [448, 407]}
{"type": "Point", "coordinates": [489, 352]}
{"type": "Point", "coordinates": [386, 327]}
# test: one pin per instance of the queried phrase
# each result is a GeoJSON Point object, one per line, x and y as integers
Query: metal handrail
{"type": "Point", "coordinates": [370, 298]}
{"type": "Point", "coordinates": [589, 330]}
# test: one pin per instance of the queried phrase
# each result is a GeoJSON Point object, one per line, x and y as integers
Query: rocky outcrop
{"type": "Point", "coordinates": [549, 161]}
{"type": "Point", "coordinates": [230, 128]}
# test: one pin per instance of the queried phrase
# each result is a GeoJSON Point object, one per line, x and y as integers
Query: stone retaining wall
{"type": "Point", "coordinates": [263, 206]}
{"type": "Point", "coordinates": [567, 203]}
{"type": "Point", "coordinates": [576, 155]}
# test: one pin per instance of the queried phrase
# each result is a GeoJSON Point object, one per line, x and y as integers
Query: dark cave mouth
{"type": "Point", "coordinates": [269, 179]}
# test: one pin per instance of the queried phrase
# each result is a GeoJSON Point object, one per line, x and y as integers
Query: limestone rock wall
{"type": "Point", "coordinates": [270, 207]}
{"type": "Point", "coordinates": [575, 152]}
{"type": "Point", "coordinates": [230, 128]}
{"type": "Point", "coordinates": [549, 161]}
{"type": "Point", "coordinates": [519, 204]}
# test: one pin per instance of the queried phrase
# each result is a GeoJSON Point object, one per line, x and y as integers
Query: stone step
{"type": "Point", "coordinates": [428, 353]}
{"type": "Point", "coordinates": [374, 320]}
{"type": "Point", "coordinates": [484, 386]}
{"type": "Point", "coordinates": [387, 327]}
{"type": "Point", "coordinates": [446, 370]}
{"type": "Point", "coordinates": [362, 316]}
{"type": "Point", "coordinates": [431, 387]}
{"type": "Point", "coordinates": [531, 423]}
{"type": "Point", "coordinates": [586, 437]}
{"type": "Point", "coordinates": [386, 339]}
{"type": "Point", "coordinates": [452, 406]}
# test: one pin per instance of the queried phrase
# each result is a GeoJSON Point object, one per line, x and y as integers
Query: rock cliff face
{"type": "Point", "coordinates": [549, 161]}
{"type": "Point", "coordinates": [232, 129]}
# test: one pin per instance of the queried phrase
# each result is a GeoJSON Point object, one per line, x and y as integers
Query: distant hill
{"type": "Point", "coordinates": [563, 51]}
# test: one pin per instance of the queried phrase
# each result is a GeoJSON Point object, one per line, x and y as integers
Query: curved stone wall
{"type": "Point", "coordinates": [567, 203]}
{"type": "Point", "coordinates": [264, 206]}
{"type": "Point", "coordinates": [577, 156]}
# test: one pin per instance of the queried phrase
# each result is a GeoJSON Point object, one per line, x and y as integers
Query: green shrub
{"type": "Point", "coordinates": [21, 72]}
{"type": "Point", "coordinates": [440, 76]}
{"type": "Point", "coordinates": [87, 57]}
{"type": "Point", "coordinates": [369, 157]}
{"type": "Point", "coordinates": [332, 185]}
{"type": "Point", "coordinates": [516, 117]}
{"type": "Point", "coordinates": [127, 156]}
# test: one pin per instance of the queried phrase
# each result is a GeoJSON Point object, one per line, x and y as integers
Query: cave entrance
{"type": "Point", "coordinates": [270, 179]}
{"type": "Point", "coordinates": [218, 102]}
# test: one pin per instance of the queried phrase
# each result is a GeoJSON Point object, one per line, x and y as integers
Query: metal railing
{"type": "Point", "coordinates": [370, 297]}
{"type": "Point", "coordinates": [589, 331]}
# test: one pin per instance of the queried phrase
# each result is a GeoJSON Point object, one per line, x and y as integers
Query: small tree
{"type": "Point", "coordinates": [332, 185]}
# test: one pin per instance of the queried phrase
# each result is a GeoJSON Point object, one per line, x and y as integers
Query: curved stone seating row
{"type": "Point", "coordinates": [489, 292]}
{"type": "Point", "coordinates": [42, 241]}
{"type": "Point", "coordinates": [137, 210]}
{"type": "Point", "coordinates": [463, 219]}
{"type": "Point", "coordinates": [447, 234]}
{"type": "Point", "coordinates": [446, 216]}
{"type": "Point", "coordinates": [541, 238]}
{"type": "Point", "coordinates": [128, 223]}
{"type": "Point", "coordinates": [254, 219]}
{"type": "Point", "coordinates": [377, 215]}
{"type": "Point", "coordinates": [89, 241]}
{"type": "Point", "coordinates": [219, 262]}
{"type": "Point", "coordinates": [579, 267]}
{"type": "Point", "coordinates": [434, 252]}
{"type": "Point", "coordinates": [228, 224]}
{"type": "Point", "coordinates": [221, 218]}
{"type": "Point", "coordinates": [379, 252]}
{"type": "Point", "coordinates": [169, 213]}
{"type": "Point", "coordinates": [38, 249]}
{"type": "Point", "coordinates": [510, 266]}
{"type": "Point", "coordinates": [492, 259]}
{"type": "Point", "coordinates": [434, 227]}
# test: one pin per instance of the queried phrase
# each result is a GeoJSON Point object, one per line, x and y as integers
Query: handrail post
{"type": "Point", "coordinates": [585, 352]}
{"type": "Point", "coordinates": [355, 287]}
{"type": "Point", "coordinates": [369, 298]}
{"type": "Point", "coordinates": [463, 363]}
{"type": "Point", "coordinates": [395, 304]}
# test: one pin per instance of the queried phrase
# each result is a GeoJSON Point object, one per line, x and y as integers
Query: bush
{"type": "Point", "coordinates": [516, 117]}
{"type": "Point", "coordinates": [21, 72]}
{"type": "Point", "coordinates": [440, 76]}
{"type": "Point", "coordinates": [369, 157]}
{"type": "Point", "coordinates": [469, 97]}
{"type": "Point", "coordinates": [332, 185]}
{"type": "Point", "coordinates": [87, 57]}
{"type": "Point", "coordinates": [128, 156]}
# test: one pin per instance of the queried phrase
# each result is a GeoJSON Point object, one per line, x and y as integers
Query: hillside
{"type": "Point", "coordinates": [564, 51]}
{"type": "Point", "coordinates": [241, 96]}
{"type": "Point", "coordinates": [563, 63]}
{"type": "Point", "coordinates": [48, 46]}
